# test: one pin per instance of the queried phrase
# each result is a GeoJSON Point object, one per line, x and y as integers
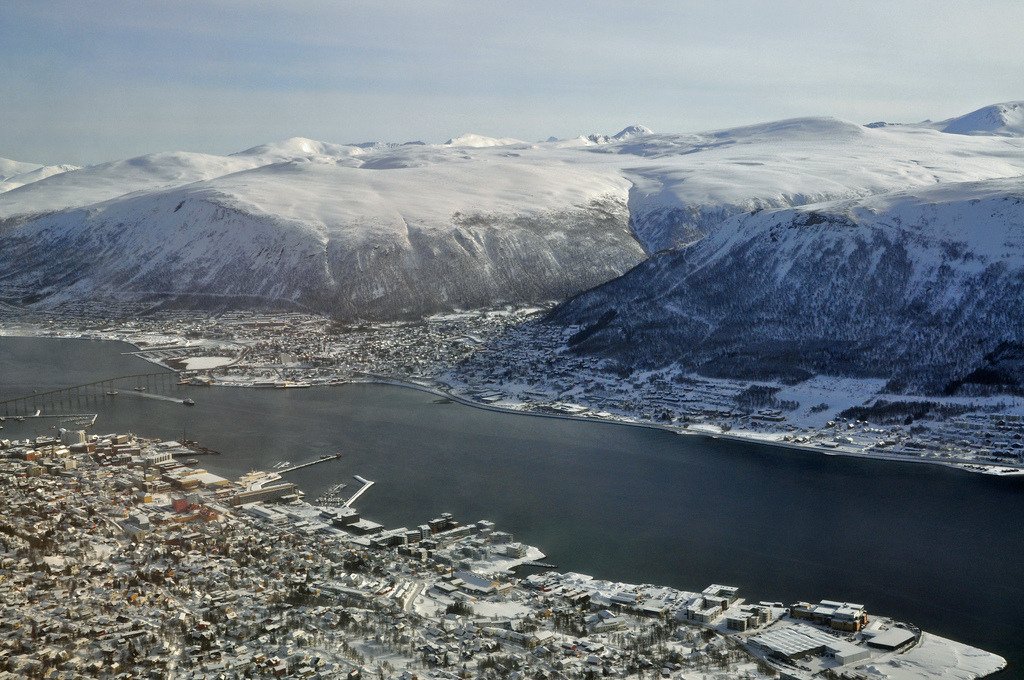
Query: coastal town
{"type": "Point", "coordinates": [121, 557]}
{"type": "Point", "coordinates": [484, 359]}
{"type": "Point", "coordinates": [512, 341]}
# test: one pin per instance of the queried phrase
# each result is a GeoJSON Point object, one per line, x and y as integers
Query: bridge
{"type": "Point", "coordinates": [86, 393]}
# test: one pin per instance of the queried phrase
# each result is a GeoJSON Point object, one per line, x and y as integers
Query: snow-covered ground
{"type": "Point", "coordinates": [936, 658]}
{"type": "Point", "coordinates": [203, 363]}
{"type": "Point", "coordinates": [837, 394]}
{"type": "Point", "coordinates": [14, 174]}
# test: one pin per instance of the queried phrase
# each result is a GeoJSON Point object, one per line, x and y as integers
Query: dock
{"type": "Point", "coordinates": [199, 450]}
{"type": "Point", "coordinates": [321, 459]}
{"type": "Point", "coordinates": [82, 420]}
{"type": "Point", "coordinates": [332, 496]}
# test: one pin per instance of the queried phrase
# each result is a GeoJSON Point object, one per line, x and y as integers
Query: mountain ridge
{"type": "Point", "coordinates": [890, 286]}
{"type": "Point", "coordinates": [523, 222]}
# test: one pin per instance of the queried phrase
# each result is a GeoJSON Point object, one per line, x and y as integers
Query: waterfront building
{"type": "Point", "coordinates": [844, 616]}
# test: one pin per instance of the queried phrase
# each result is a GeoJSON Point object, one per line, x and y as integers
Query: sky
{"type": "Point", "coordinates": [93, 80]}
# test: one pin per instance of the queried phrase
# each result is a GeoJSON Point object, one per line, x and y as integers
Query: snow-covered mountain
{"type": "Point", "coordinates": [14, 174]}
{"type": "Point", "coordinates": [684, 185]}
{"type": "Point", "coordinates": [447, 231]}
{"type": "Point", "coordinates": [997, 119]}
{"type": "Point", "coordinates": [98, 183]}
{"type": "Point", "coordinates": [382, 230]}
{"type": "Point", "coordinates": [9, 168]}
{"type": "Point", "coordinates": [634, 130]}
{"type": "Point", "coordinates": [39, 173]}
{"type": "Point", "coordinates": [924, 286]}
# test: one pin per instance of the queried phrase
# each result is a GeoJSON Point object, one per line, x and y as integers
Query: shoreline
{"type": "Point", "coordinates": [374, 379]}
{"type": "Point", "coordinates": [936, 654]}
{"type": "Point", "coordinates": [891, 457]}
{"type": "Point", "coordinates": [439, 391]}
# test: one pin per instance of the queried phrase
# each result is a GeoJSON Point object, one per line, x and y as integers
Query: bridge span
{"type": "Point", "coordinates": [87, 393]}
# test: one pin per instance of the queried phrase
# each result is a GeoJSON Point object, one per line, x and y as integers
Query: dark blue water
{"type": "Point", "coordinates": [930, 545]}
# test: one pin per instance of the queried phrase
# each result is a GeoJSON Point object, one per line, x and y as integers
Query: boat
{"type": "Point", "coordinates": [112, 393]}
{"type": "Point", "coordinates": [188, 402]}
{"type": "Point", "coordinates": [140, 388]}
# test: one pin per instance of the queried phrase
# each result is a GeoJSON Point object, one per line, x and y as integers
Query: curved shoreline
{"type": "Point", "coordinates": [374, 379]}
{"type": "Point", "coordinates": [891, 457]}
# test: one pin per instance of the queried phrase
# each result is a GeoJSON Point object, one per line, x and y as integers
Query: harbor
{"type": "Point", "coordinates": [535, 476]}
{"type": "Point", "coordinates": [453, 584]}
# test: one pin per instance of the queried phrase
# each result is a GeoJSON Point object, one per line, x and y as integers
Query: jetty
{"type": "Point", "coordinates": [321, 459]}
{"type": "Point", "coordinates": [366, 484]}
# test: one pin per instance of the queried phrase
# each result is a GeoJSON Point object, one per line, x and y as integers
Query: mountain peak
{"type": "Point", "coordinates": [1005, 119]}
{"type": "Point", "coordinates": [634, 130]}
{"type": "Point", "coordinates": [10, 168]}
{"type": "Point", "coordinates": [299, 147]}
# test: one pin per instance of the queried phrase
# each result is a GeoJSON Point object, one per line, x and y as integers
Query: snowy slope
{"type": "Point", "coordinates": [924, 286]}
{"type": "Point", "coordinates": [686, 184]}
{"type": "Point", "coordinates": [383, 229]}
{"type": "Point", "coordinates": [336, 239]}
{"type": "Point", "coordinates": [99, 183]}
{"type": "Point", "coordinates": [9, 168]}
{"type": "Point", "coordinates": [21, 179]}
{"type": "Point", "coordinates": [474, 140]}
{"type": "Point", "coordinates": [1005, 119]}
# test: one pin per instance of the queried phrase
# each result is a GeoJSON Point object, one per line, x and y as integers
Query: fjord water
{"type": "Point", "coordinates": [937, 547]}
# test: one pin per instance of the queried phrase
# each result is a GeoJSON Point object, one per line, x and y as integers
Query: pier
{"type": "Point", "coordinates": [90, 418]}
{"type": "Point", "coordinates": [321, 459]}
